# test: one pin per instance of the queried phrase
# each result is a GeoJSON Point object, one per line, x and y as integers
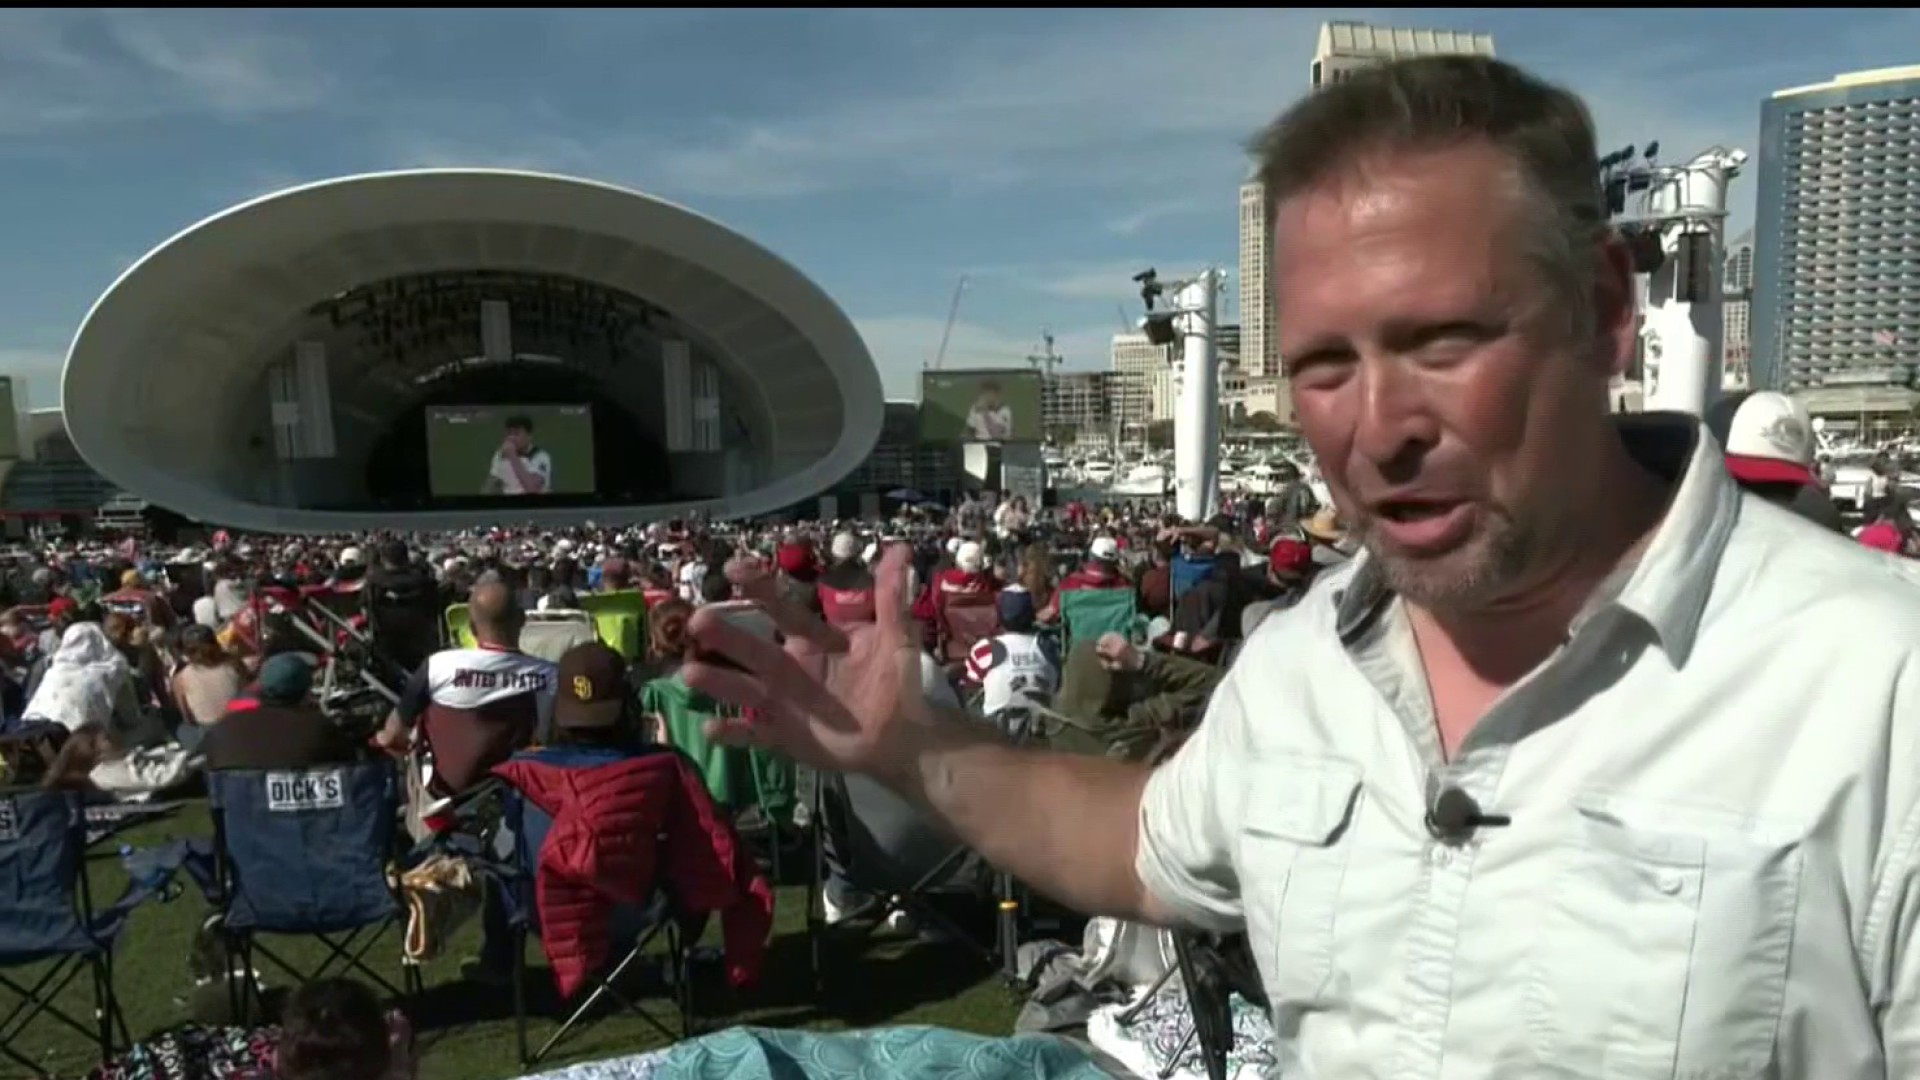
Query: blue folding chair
{"type": "Point", "coordinates": [47, 917]}
{"type": "Point", "coordinates": [306, 852]}
{"type": "Point", "coordinates": [526, 827]}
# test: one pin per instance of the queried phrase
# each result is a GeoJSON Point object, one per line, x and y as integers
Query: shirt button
{"type": "Point", "coordinates": [1669, 883]}
{"type": "Point", "coordinates": [1440, 855]}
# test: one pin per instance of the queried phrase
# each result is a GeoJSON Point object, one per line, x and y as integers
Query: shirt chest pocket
{"type": "Point", "coordinates": [1662, 946]}
{"type": "Point", "coordinates": [1292, 859]}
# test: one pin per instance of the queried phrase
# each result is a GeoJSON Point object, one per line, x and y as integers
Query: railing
{"type": "Point", "coordinates": [54, 486]}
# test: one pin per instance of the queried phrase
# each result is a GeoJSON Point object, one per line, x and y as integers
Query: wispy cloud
{"type": "Point", "coordinates": [1106, 279]}
{"type": "Point", "coordinates": [1130, 224]}
{"type": "Point", "coordinates": [1700, 89]}
{"type": "Point", "coordinates": [62, 69]}
{"type": "Point", "coordinates": [1138, 101]}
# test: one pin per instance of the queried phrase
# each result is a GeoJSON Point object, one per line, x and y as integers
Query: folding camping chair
{"type": "Point", "coordinates": [526, 825]}
{"type": "Point", "coordinates": [405, 629]}
{"type": "Point", "coordinates": [620, 618]}
{"type": "Point", "coordinates": [350, 667]}
{"type": "Point", "coordinates": [1086, 614]}
{"type": "Point", "coordinates": [549, 634]}
{"type": "Point", "coordinates": [887, 849]}
{"type": "Point", "coordinates": [306, 853]}
{"type": "Point", "coordinates": [47, 917]}
{"type": "Point", "coordinates": [460, 627]}
{"type": "Point", "coordinates": [964, 620]}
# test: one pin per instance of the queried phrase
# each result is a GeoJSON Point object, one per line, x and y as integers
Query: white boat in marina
{"type": "Point", "coordinates": [1260, 478]}
{"type": "Point", "coordinates": [1143, 480]}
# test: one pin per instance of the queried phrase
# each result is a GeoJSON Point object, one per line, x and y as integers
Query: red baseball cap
{"type": "Point", "coordinates": [1290, 556]}
{"type": "Point", "coordinates": [846, 607]}
{"type": "Point", "coordinates": [795, 557]}
{"type": "Point", "coordinates": [61, 605]}
{"type": "Point", "coordinates": [1882, 536]}
{"type": "Point", "coordinates": [1767, 438]}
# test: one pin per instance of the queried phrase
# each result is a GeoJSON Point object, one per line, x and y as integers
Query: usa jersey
{"type": "Point", "coordinates": [475, 707]}
{"type": "Point", "coordinates": [1015, 672]}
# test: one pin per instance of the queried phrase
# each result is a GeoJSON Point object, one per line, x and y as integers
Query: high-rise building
{"type": "Point", "coordinates": [1137, 364]}
{"type": "Point", "coordinates": [1226, 343]}
{"type": "Point", "coordinates": [1739, 268]}
{"type": "Point", "coordinates": [1259, 353]}
{"type": "Point", "coordinates": [1736, 292]}
{"type": "Point", "coordinates": [1836, 290]}
{"type": "Point", "coordinates": [1076, 407]}
{"type": "Point", "coordinates": [1344, 47]}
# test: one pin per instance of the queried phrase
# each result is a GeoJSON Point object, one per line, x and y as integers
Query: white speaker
{"type": "Point", "coordinates": [301, 403]}
{"type": "Point", "coordinates": [496, 331]}
{"type": "Point", "coordinates": [676, 394]}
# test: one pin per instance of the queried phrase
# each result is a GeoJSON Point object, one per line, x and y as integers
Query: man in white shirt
{"type": "Point", "coordinates": [990, 419]}
{"type": "Point", "coordinates": [1589, 766]}
{"type": "Point", "coordinates": [519, 467]}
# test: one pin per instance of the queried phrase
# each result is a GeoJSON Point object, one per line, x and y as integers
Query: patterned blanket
{"type": "Point", "coordinates": [198, 1053]}
{"type": "Point", "coordinates": [778, 1054]}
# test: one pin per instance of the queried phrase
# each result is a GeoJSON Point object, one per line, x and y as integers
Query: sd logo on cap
{"type": "Point", "coordinates": [593, 681]}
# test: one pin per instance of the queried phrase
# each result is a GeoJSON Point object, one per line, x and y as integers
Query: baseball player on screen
{"type": "Point", "coordinates": [519, 467]}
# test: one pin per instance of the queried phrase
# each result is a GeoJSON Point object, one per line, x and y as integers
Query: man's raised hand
{"type": "Point", "coordinates": [830, 698]}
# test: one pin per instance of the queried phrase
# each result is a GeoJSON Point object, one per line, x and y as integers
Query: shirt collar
{"type": "Point", "coordinates": [1668, 584]}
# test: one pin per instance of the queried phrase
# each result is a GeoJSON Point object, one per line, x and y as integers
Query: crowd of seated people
{"type": "Point", "coordinates": [152, 664]}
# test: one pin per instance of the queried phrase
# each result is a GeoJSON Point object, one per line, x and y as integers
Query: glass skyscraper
{"type": "Point", "coordinates": [1836, 290]}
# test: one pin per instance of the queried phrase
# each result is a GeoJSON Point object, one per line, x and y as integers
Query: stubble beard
{"type": "Point", "coordinates": [1477, 572]}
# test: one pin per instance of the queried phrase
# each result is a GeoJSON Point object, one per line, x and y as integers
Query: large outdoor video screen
{"type": "Point", "coordinates": [509, 450]}
{"type": "Point", "coordinates": [980, 406]}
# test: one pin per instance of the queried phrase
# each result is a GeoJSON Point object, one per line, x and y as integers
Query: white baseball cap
{"type": "Point", "coordinates": [350, 556]}
{"type": "Point", "coordinates": [1767, 436]}
{"type": "Point", "coordinates": [970, 557]}
{"type": "Point", "coordinates": [1104, 547]}
{"type": "Point", "coordinates": [845, 546]}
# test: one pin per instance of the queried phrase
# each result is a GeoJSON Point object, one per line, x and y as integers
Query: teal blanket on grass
{"type": "Point", "coordinates": [749, 1053]}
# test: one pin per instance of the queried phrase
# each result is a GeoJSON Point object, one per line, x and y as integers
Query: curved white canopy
{"type": "Point", "coordinates": [162, 384]}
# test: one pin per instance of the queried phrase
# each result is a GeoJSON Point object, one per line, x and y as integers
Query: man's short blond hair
{"type": "Point", "coordinates": [1437, 102]}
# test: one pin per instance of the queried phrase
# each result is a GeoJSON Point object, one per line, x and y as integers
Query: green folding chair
{"type": "Point", "coordinates": [460, 627]}
{"type": "Point", "coordinates": [620, 618]}
{"type": "Point", "coordinates": [1085, 614]}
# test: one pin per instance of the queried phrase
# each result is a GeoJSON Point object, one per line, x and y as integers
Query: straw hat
{"type": "Point", "coordinates": [1324, 526]}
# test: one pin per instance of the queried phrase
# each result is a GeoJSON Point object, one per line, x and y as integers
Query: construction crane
{"type": "Point", "coordinates": [946, 335]}
{"type": "Point", "coordinates": [1046, 359]}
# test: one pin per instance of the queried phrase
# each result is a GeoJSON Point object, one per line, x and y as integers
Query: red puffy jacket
{"type": "Point", "coordinates": [616, 828]}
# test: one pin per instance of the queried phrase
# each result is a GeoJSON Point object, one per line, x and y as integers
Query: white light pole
{"type": "Point", "coordinates": [1196, 431]}
{"type": "Point", "coordinates": [1687, 206]}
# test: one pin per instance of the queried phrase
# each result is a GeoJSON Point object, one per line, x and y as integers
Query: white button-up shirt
{"type": "Point", "coordinates": [1712, 864]}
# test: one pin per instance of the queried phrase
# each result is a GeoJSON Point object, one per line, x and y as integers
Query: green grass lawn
{"type": "Point", "coordinates": [469, 1032]}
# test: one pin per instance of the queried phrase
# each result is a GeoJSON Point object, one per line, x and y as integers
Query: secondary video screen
{"type": "Point", "coordinates": [509, 450]}
{"type": "Point", "coordinates": [980, 406]}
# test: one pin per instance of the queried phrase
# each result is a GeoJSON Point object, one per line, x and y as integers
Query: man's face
{"type": "Point", "coordinates": [1432, 372]}
{"type": "Point", "coordinates": [989, 398]}
{"type": "Point", "coordinates": [519, 439]}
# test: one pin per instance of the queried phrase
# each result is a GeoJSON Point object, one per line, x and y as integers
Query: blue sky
{"type": "Point", "coordinates": [1046, 154]}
